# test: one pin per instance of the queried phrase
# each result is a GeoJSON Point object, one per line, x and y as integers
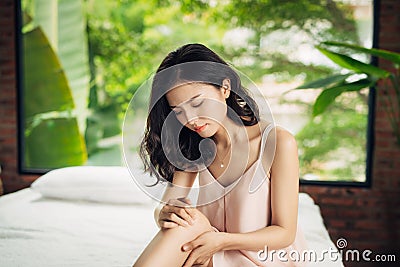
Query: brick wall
{"type": "Point", "coordinates": [12, 180]}
{"type": "Point", "coordinates": [369, 218]}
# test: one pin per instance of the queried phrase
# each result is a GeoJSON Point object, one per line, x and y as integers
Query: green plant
{"type": "Point", "coordinates": [361, 75]}
{"type": "Point", "coordinates": [52, 137]}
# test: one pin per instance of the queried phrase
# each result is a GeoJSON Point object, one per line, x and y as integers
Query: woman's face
{"type": "Point", "coordinates": [200, 107]}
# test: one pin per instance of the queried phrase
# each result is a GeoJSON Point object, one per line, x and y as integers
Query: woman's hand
{"type": "Point", "coordinates": [203, 247]}
{"type": "Point", "coordinates": [176, 212]}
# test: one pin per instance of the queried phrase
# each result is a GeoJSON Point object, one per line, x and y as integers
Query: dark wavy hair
{"type": "Point", "coordinates": [179, 142]}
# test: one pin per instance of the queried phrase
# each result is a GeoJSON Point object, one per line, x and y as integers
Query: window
{"type": "Point", "coordinates": [82, 61]}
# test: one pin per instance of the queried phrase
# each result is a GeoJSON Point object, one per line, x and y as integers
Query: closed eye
{"type": "Point", "coordinates": [195, 105]}
{"type": "Point", "coordinates": [178, 112]}
{"type": "Point", "coordinates": [198, 104]}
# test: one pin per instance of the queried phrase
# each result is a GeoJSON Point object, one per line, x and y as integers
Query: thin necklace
{"type": "Point", "coordinates": [222, 161]}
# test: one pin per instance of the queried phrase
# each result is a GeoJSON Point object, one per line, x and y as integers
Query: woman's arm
{"type": "Point", "coordinates": [180, 188]}
{"type": "Point", "coordinates": [284, 203]}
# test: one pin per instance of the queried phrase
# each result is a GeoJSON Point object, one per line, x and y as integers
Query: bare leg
{"type": "Point", "coordinates": [165, 248]}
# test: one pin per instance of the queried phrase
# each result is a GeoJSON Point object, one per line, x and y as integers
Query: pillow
{"type": "Point", "coordinates": [111, 184]}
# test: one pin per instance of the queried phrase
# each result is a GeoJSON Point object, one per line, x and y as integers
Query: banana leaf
{"type": "Point", "coordinates": [73, 54]}
{"type": "Point", "coordinates": [46, 87]}
{"type": "Point", "coordinates": [50, 142]}
{"type": "Point", "coordinates": [63, 23]}
{"type": "Point", "coordinates": [45, 16]}
{"type": "Point", "coordinates": [55, 143]}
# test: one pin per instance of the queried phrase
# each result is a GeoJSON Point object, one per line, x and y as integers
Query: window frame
{"type": "Point", "coordinates": [370, 121]}
{"type": "Point", "coordinates": [20, 108]}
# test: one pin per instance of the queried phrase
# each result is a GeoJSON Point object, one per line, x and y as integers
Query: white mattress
{"type": "Point", "coordinates": [37, 231]}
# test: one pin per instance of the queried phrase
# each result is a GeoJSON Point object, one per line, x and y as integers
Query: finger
{"type": "Point", "coordinates": [181, 216]}
{"type": "Point", "coordinates": [164, 221]}
{"type": "Point", "coordinates": [170, 208]}
{"type": "Point", "coordinates": [200, 257]}
{"type": "Point", "coordinates": [181, 209]}
{"type": "Point", "coordinates": [195, 259]}
{"type": "Point", "coordinates": [181, 212]}
{"type": "Point", "coordinates": [187, 247]}
{"type": "Point", "coordinates": [184, 214]}
{"type": "Point", "coordinates": [168, 224]}
{"type": "Point", "coordinates": [201, 261]}
{"type": "Point", "coordinates": [168, 218]}
{"type": "Point", "coordinates": [192, 212]}
{"type": "Point", "coordinates": [190, 260]}
{"type": "Point", "coordinates": [175, 218]}
{"type": "Point", "coordinates": [191, 245]}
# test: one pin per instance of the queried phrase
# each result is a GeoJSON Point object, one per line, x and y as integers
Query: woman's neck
{"type": "Point", "coordinates": [228, 132]}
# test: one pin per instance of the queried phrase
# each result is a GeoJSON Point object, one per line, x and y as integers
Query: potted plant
{"type": "Point", "coordinates": [359, 76]}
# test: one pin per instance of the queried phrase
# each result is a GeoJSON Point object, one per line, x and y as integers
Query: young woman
{"type": "Point", "coordinates": [248, 199]}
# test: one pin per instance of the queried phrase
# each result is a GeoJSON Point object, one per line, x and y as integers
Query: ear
{"type": "Point", "coordinates": [226, 87]}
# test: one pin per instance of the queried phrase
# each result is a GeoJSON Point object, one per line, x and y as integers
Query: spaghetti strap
{"type": "Point", "coordinates": [264, 138]}
{"type": "Point", "coordinates": [258, 179]}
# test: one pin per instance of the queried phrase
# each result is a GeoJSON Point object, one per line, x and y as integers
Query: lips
{"type": "Point", "coordinates": [200, 128]}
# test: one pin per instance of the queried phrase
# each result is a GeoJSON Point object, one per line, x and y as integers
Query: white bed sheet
{"type": "Point", "coordinates": [37, 231]}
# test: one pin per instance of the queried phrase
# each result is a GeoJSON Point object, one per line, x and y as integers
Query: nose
{"type": "Point", "coordinates": [189, 116]}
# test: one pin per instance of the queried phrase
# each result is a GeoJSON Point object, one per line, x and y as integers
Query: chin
{"type": "Point", "coordinates": [206, 135]}
{"type": "Point", "coordinates": [209, 132]}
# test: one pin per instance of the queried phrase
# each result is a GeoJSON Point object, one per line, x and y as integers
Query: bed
{"type": "Point", "coordinates": [97, 216]}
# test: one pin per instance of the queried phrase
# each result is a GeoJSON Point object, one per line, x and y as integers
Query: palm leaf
{"type": "Point", "coordinates": [352, 64]}
{"type": "Point", "coordinates": [391, 56]}
{"type": "Point", "coordinates": [324, 82]}
{"type": "Point", "coordinates": [328, 96]}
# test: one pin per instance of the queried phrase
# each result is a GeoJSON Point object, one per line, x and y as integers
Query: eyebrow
{"type": "Point", "coordinates": [188, 100]}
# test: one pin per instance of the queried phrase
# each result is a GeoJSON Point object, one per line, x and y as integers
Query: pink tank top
{"type": "Point", "coordinates": [241, 207]}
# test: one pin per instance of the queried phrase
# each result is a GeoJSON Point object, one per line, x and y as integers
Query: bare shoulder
{"type": "Point", "coordinates": [285, 159]}
{"type": "Point", "coordinates": [281, 144]}
{"type": "Point", "coordinates": [286, 152]}
{"type": "Point", "coordinates": [284, 138]}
